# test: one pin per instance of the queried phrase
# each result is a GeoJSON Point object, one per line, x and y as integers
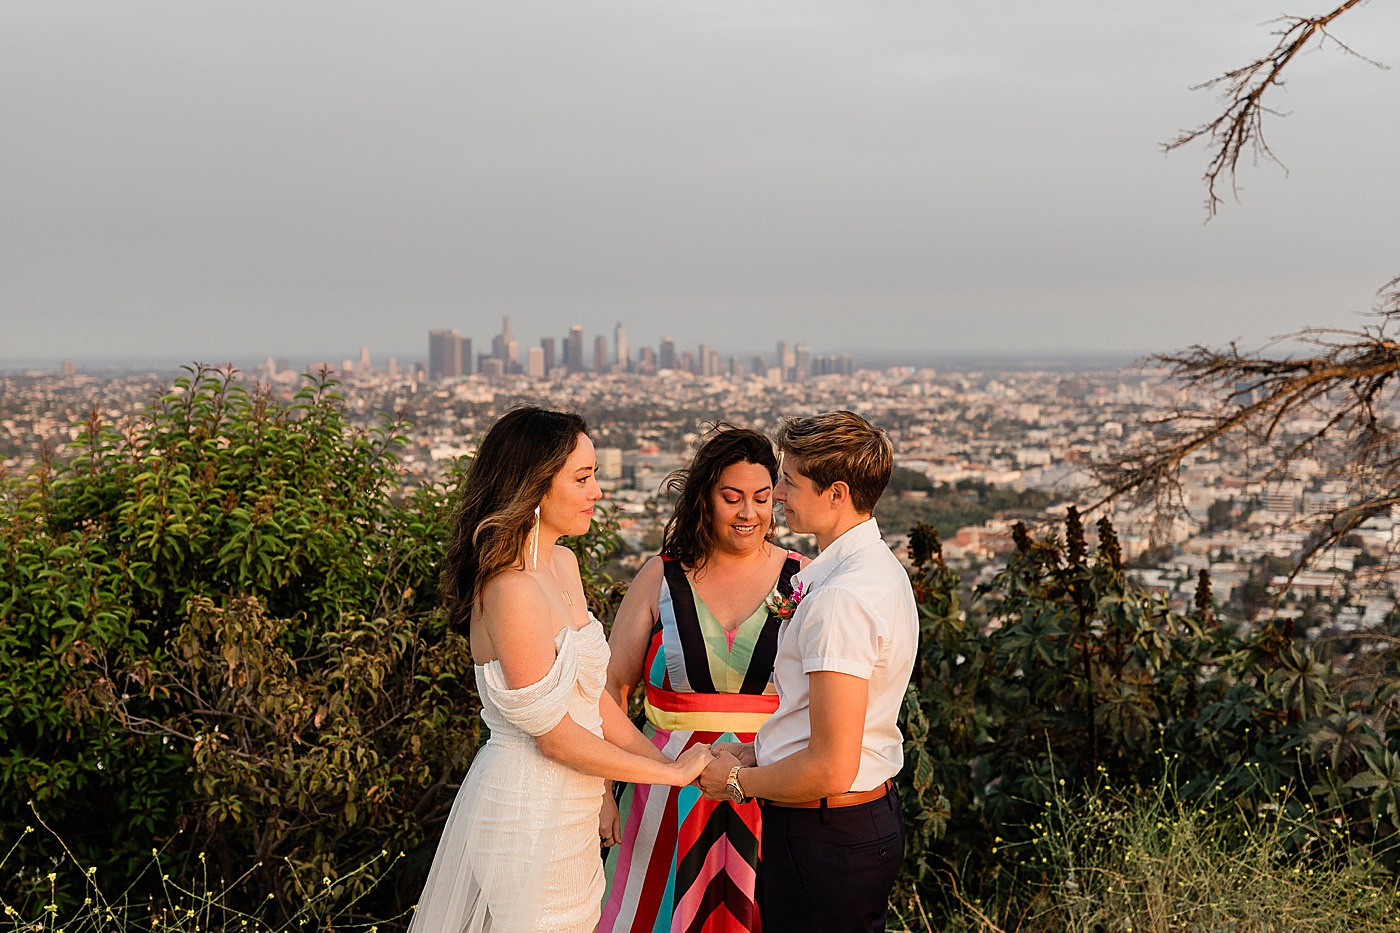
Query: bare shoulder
{"type": "Point", "coordinates": [633, 621]}
{"type": "Point", "coordinates": [516, 596]}
{"type": "Point", "coordinates": [651, 573]}
{"type": "Point", "coordinates": [519, 628]}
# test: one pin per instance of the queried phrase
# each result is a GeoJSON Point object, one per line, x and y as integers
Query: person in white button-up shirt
{"type": "Point", "coordinates": [833, 834]}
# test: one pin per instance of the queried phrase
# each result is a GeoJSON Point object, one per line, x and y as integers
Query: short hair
{"type": "Point", "coordinates": [840, 446]}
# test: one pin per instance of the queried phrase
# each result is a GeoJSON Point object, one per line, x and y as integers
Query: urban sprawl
{"type": "Point", "coordinates": [976, 451]}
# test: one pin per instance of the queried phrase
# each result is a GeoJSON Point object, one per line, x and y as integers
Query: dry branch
{"type": "Point", "coordinates": [1240, 126]}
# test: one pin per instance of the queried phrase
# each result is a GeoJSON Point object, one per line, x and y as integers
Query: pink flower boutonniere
{"type": "Point", "coordinates": [784, 606]}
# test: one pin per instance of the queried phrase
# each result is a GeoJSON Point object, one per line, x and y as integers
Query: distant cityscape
{"type": "Point", "coordinates": [977, 449]}
{"type": "Point", "coordinates": [451, 355]}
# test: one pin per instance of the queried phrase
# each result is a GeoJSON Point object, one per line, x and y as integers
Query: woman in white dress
{"type": "Point", "coordinates": [519, 852]}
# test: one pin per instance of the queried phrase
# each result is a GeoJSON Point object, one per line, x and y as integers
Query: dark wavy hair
{"type": "Point", "coordinates": [690, 536]}
{"type": "Point", "coordinates": [495, 512]}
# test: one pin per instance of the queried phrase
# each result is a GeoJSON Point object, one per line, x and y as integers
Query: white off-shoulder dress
{"type": "Point", "coordinates": [519, 853]}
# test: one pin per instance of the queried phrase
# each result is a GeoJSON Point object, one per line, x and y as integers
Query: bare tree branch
{"type": "Point", "coordinates": [1240, 126]}
{"type": "Point", "coordinates": [1346, 392]}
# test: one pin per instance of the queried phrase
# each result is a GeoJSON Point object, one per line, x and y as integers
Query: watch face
{"type": "Point", "coordinates": [734, 794]}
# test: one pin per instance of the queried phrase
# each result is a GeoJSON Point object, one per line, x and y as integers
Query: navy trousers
{"type": "Point", "coordinates": [830, 871]}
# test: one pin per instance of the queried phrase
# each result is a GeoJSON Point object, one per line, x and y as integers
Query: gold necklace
{"type": "Point", "coordinates": [563, 592]}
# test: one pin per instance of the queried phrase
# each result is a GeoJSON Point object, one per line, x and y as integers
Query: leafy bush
{"type": "Point", "coordinates": [1064, 677]}
{"type": "Point", "coordinates": [223, 622]}
{"type": "Point", "coordinates": [221, 637]}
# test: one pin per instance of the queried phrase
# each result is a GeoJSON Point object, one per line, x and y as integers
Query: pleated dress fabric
{"type": "Point", "coordinates": [519, 852]}
{"type": "Point", "coordinates": [686, 864]}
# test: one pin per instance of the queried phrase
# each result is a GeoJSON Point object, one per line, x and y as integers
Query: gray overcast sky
{"type": "Point", "coordinates": [226, 180]}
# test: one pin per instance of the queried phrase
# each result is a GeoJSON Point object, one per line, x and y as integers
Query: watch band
{"type": "Point", "coordinates": [734, 780]}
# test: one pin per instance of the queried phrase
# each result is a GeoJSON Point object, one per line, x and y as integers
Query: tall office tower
{"type": "Point", "coordinates": [736, 368]}
{"type": "Point", "coordinates": [848, 366]}
{"type": "Point", "coordinates": [464, 353]}
{"type": "Point", "coordinates": [760, 366]}
{"type": "Point", "coordinates": [600, 355]}
{"type": "Point", "coordinates": [702, 361]}
{"type": "Point", "coordinates": [392, 368]}
{"type": "Point", "coordinates": [512, 356]}
{"type": "Point", "coordinates": [646, 360]}
{"type": "Point", "coordinates": [575, 357]}
{"type": "Point", "coordinates": [492, 366]}
{"type": "Point", "coordinates": [802, 364]}
{"type": "Point", "coordinates": [686, 363]}
{"type": "Point", "coordinates": [500, 344]}
{"type": "Point", "coordinates": [668, 354]}
{"type": "Point", "coordinates": [620, 347]}
{"type": "Point", "coordinates": [444, 354]}
{"type": "Point", "coordinates": [363, 367]}
{"type": "Point", "coordinates": [547, 347]}
{"type": "Point", "coordinates": [535, 368]}
{"type": "Point", "coordinates": [780, 357]}
{"type": "Point", "coordinates": [712, 364]}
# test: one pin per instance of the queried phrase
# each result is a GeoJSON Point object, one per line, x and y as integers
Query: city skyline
{"type": "Point", "coordinates": [451, 355]}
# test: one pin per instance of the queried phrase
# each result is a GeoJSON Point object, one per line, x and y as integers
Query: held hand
{"type": "Point", "coordinates": [743, 753]}
{"type": "Point", "coordinates": [609, 821]}
{"type": "Point", "coordinates": [715, 776]}
{"type": "Point", "coordinates": [690, 763]}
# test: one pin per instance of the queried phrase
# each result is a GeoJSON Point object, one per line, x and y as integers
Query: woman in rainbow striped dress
{"type": "Point", "coordinates": [696, 630]}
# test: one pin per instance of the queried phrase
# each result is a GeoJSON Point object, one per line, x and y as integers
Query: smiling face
{"type": "Point", "coordinates": [741, 507]}
{"type": "Point", "coordinates": [568, 506]}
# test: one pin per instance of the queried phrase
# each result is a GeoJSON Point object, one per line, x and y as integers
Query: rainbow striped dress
{"type": "Point", "coordinates": [687, 864]}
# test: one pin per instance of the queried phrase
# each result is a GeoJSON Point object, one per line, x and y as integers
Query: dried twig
{"type": "Point", "coordinates": [1349, 386]}
{"type": "Point", "coordinates": [1240, 126]}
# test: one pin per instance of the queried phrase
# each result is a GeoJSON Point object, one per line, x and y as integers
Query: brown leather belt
{"type": "Point", "coordinates": [854, 798]}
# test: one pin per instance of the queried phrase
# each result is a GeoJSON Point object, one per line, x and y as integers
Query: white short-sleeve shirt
{"type": "Point", "coordinates": [857, 616]}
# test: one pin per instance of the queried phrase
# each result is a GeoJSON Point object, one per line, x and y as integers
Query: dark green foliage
{"type": "Point", "coordinates": [222, 627]}
{"type": "Point", "coordinates": [1220, 515]}
{"type": "Point", "coordinates": [220, 634]}
{"type": "Point", "coordinates": [1064, 677]}
{"type": "Point", "coordinates": [903, 479]}
{"type": "Point", "coordinates": [950, 508]}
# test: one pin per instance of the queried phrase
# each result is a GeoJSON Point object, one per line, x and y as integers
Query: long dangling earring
{"type": "Point", "coordinates": [535, 542]}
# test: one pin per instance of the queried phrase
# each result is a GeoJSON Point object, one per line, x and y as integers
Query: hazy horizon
{"type": "Point", "coordinates": [944, 363]}
{"type": "Point", "coordinates": [194, 181]}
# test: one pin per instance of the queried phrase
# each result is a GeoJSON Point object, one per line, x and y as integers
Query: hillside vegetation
{"type": "Point", "coordinates": [221, 639]}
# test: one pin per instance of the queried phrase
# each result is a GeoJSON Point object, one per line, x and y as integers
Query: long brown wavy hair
{"type": "Point", "coordinates": [690, 535]}
{"type": "Point", "coordinates": [512, 471]}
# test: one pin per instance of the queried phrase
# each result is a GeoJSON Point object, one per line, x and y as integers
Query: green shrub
{"type": "Point", "coordinates": [1063, 678]}
{"type": "Point", "coordinates": [221, 638]}
{"type": "Point", "coordinates": [223, 624]}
